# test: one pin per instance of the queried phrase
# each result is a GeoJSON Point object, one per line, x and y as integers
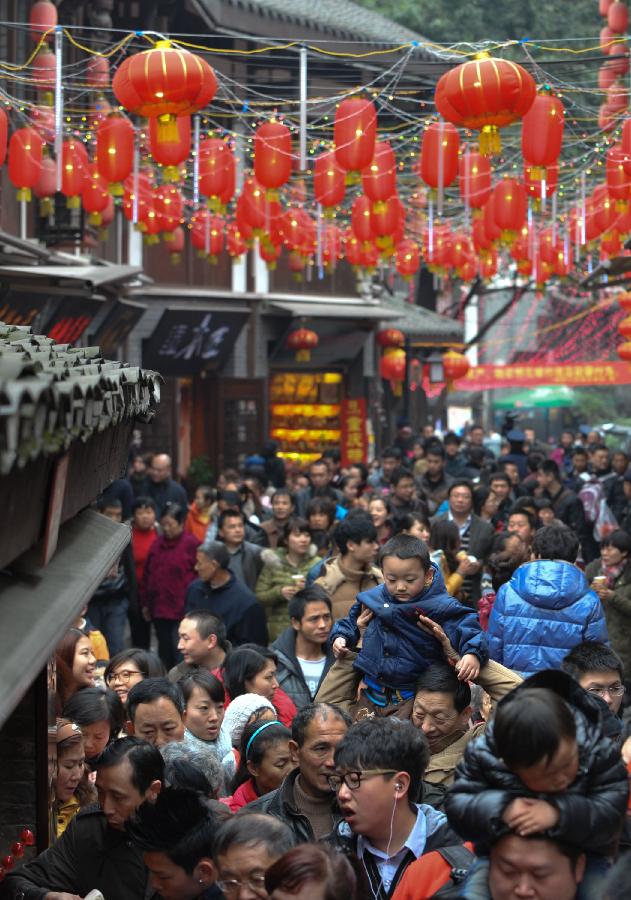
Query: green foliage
{"type": "Point", "coordinates": [452, 21]}
{"type": "Point", "coordinates": [199, 472]}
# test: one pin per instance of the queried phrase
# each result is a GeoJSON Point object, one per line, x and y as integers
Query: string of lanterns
{"type": "Point", "coordinates": [26, 838]}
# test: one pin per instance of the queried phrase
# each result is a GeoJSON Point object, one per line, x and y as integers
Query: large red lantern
{"type": "Point", "coordinates": [542, 134]}
{"type": "Point", "coordinates": [95, 195]}
{"type": "Point", "coordinates": [510, 206]}
{"type": "Point", "coordinates": [538, 188]}
{"type": "Point", "coordinates": [379, 178]}
{"type": "Point", "coordinates": [169, 207]}
{"type": "Point", "coordinates": [618, 18]}
{"type": "Point", "coordinates": [331, 247]}
{"type": "Point", "coordinates": [235, 242]}
{"type": "Point", "coordinates": [44, 72]}
{"type": "Point", "coordinates": [4, 134]}
{"type": "Point", "coordinates": [439, 155]}
{"type": "Point", "coordinates": [115, 151]}
{"type": "Point", "coordinates": [303, 341]}
{"type": "Point", "coordinates": [164, 82]}
{"type": "Point", "coordinates": [390, 337]}
{"type": "Point", "coordinates": [485, 94]}
{"type": "Point", "coordinates": [329, 184]}
{"type": "Point", "coordinates": [407, 259]}
{"type": "Point", "coordinates": [387, 221]}
{"type": "Point", "coordinates": [216, 163]}
{"type": "Point", "coordinates": [46, 186]}
{"type": "Point", "coordinates": [618, 181]}
{"type": "Point", "coordinates": [253, 205]}
{"type": "Point", "coordinates": [97, 73]}
{"type": "Point", "coordinates": [355, 133]}
{"type": "Point", "coordinates": [607, 37]}
{"type": "Point", "coordinates": [25, 160]}
{"type": "Point", "coordinates": [176, 246]}
{"type": "Point", "coordinates": [604, 211]}
{"type": "Point", "coordinates": [455, 366]}
{"type": "Point", "coordinates": [43, 20]}
{"type": "Point", "coordinates": [272, 156]}
{"type": "Point", "coordinates": [462, 249]}
{"type": "Point", "coordinates": [393, 367]}
{"type": "Point", "coordinates": [360, 219]}
{"type": "Point", "coordinates": [171, 153]}
{"type": "Point", "coordinates": [74, 169]}
{"type": "Point", "coordinates": [474, 178]}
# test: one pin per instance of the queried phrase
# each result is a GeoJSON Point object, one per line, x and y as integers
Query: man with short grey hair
{"type": "Point", "coordinates": [218, 591]}
{"type": "Point", "coordinates": [159, 484]}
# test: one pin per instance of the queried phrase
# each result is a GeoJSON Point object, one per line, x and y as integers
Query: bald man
{"type": "Point", "coordinates": [159, 484]}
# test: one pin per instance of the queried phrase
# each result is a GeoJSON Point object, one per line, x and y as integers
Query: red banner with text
{"type": "Point", "coordinates": [354, 434]}
{"type": "Point", "coordinates": [520, 375]}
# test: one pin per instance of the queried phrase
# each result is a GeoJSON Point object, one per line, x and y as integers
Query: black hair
{"type": "Point", "coordinates": [385, 743]}
{"type": "Point", "coordinates": [91, 705]}
{"type": "Point", "coordinates": [404, 546]}
{"type": "Point", "coordinates": [319, 462]}
{"type": "Point", "coordinates": [382, 499]}
{"type": "Point", "coordinates": [435, 448]}
{"type": "Point", "coordinates": [524, 503]}
{"type": "Point", "coordinates": [322, 505]}
{"type": "Point", "coordinates": [406, 522]}
{"type": "Point", "coordinates": [305, 716]}
{"type": "Point", "coordinates": [399, 474]}
{"type": "Point", "coordinates": [459, 483]}
{"type": "Point", "coordinates": [572, 852]}
{"type": "Point", "coordinates": [295, 523]}
{"type": "Point", "coordinates": [595, 447]}
{"type": "Point", "coordinates": [312, 594]}
{"type": "Point", "coordinates": [391, 453]}
{"type": "Point", "coordinates": [149, 664]}
{"type": "Point", "coordinates": [271, 734]}
{"type": "Point", "coordinates": [332, 453]}
{"type": "Point", "coordinates": [175, 511]}
{"type": "Point", "coordinates": [543, 503]}
{"type": "Point", "coordinates": [481, 494]}
{"type": "Point", "coordinates": [207, 682]}
{"type": "Point", "coordinates": [533, 459]}
{"type": "Point", "coordinates": [356, 528]}
{"type": "Point", "coordinates": [526, 512]}
{"type": "Point", "coordinates": [152, 689]}
{"type": "Point", "coordinates": [619, 540]}
{"type": "Point", "coordinates": [500, 476]}
{"type": "Point", "coordinates": [591, 656]}
{"type": "Point", "coordinates": [105, 502]}
{"type": "Point", "coordinates": [556, 542]}
{"type": "Point", "coordinates": [145, 760]}
{"type": "Point", "coordinates": [232, 498]}
{"type": "Point", "coordinates": [579, 451]}
{"type": "Point", "coordinates": [206, 624]}
{"type": "Point", "coordinates": [507, 554]}
{"type": "Point", "coordinates": [243, 664]}
{"type": "Point", "coordinates": [452, 438]}
{"type": "Point", "coordinates": [206, 491]}
{"type": "Point", "coordinates": [363, 468]}
{"type": "Point", "coordinates": [251, 829]}
{"type": "Point", "coordinates": [216, 551]}
{"type": "Point", "coordinates": [179, 824]}
{"type": "Point", "coordinates": [445, 535]}
{"type": "Point", "coordinates": [229, 514]}
{"type": "Point", "coordinates": [549, 467]}
{"type": "Point", "coordinates": [529, 725]}
{"type": "Point", "coordinates": [439, 678]}
{"type": "Point", "coordinates": [283, 492]}
{"type": "Point", "coordinates": [144, 503]}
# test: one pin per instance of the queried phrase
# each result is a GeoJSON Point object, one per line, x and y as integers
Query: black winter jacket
{"type": "Point", "coordinates": [289, 674]}
{"type": "Point", "coordinates": [591, 810]}
{"type": "Point", "coordinates": [88, 855]}
{"type": "Point", "coordinates": [281, 804]}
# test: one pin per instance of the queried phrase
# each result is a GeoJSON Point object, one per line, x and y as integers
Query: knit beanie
{"type": "Point", "coordinates": [238, 713]}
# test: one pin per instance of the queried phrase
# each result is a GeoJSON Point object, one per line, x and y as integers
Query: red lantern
{"type": "Point", "coordinates": [216, 165]}
{"type": "Point", "coordinates": [407, 259]}
{"type": "Point", "coordinates": [390, 337]}
{"type": "Point", "coordinates": [269, 253]}
{"type": "Point", "coordinates": [439, 155]}
{"type": "Point", "coordinates": [617, 98]}
{"type": "Point", "coordinates": [624, 301]}
{"type": "Point", "coordinates": [393, 367]}
{"type": "Point", "coordinates": [176, 246]}
{"type": "Point", "coordinates": [618, 18]}
{"type": "Point", "coordinates": [115, 151]}
{"type": "Point", "coordinates": [355, 133]}
{"type": "Point", "coordinates": [610, 245]}
{"type": "Point", "coordinates": [542, 134]}
{"type": "Point", "coordinates": [485, 94]}
{"type": "Point", "coordinates": [607, 37]}
{"type": "Point", "coordinates": [352, 249]}
{"type": "Point", "coordinates": [17, 849]}
{"type": "Point", "coordinates": [624, 351]}
{"type": "Point", "coordinates": [27, 837]}
{"type": "Point", "coordinates": [44, 71]}
{"type": "Point", "coordinates": [164, 82]}
{"type": "Point", "coordinates": [43, 120]}
{"type": "Point", "coordinates": [207, 234]}
{"type": "Point", "coordinates": [379, 179]}
{"type": "Point", "coordinates": [538, 188]}
{"type": "Point", "coordinates": [42, 20]}
{"type": "Point", "coordinates": [95, 195]}
{"type": "Point", "coordinates": [455, 366]}
{"type": "Point", "coordinates": [46, 186]}
{"type": "Point", "coordinates": [368, 257]}
{"type": "Point", "coordinates": [169, 206]}
{"type": "Point", "coordinates": [331, 247]}
{"type": "Point", "coordinates": [548, 246]}
{"type": "Point", "coordinates": [74, 168]}
{"type": "Point", "coordinates": [329, 184]}
{"type": "Point", "coordinates": [7, 862]}
{"type": "Point", "coordinates": [510, 206]}
{"type": "Point", "coordinates": [604, 211]}
{"type": "Point", "coordinates": [462, 249]}
{"type": "Point", "coordinates": [272, 156]}
{"type": "Point", "coordinates": [603, 7]}
{"type": "Point", "coordinates": [474, 176]}
{"type": "Point", "coordinates": [171, 153]}
{"type": "Point", "coordinates": [252, 205]}
{"type": "Point", "coordinates": [360, 218]}
{"type": "Point", "coordinates": [386, 222]}
{"type": "Point", "coordinates": [618, 182]}
{"type": "Point", "coordinates": [303, 341]}
{"type": "Point", "coordinates": [4, 133]}
{"type": "Point", "coordinates": [25, 160]}
{"type": "Point", "coordinates": [97, 73]}
{"type": "Point", "coordinates": [492, 230]}
{"type": "Point", "coordinates": [606, 118]}
{"type": "Point", "coordinates": [606, 76]}
{"type": "Point", "coordinates": [235, 242]}
{"type": "Point", "coordinates": [468, 270]}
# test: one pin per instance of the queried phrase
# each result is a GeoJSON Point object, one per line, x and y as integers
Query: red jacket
{"type": "Point", "coordinates": [169, 570]}
{"type": "Point", "coordinates": [285, 707]}
{"type": "Point", "coordinates": [243, 795]}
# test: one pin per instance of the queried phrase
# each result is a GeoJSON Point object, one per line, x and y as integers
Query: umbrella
{"type": "Point", "coordinates": [545, 397]}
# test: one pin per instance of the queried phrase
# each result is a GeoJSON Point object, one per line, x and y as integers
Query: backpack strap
{"type": "Point", "coordinates": [460, 859]}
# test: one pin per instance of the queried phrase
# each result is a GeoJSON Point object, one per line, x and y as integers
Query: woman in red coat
{"type": "Point", "coordinates": [169, 569]}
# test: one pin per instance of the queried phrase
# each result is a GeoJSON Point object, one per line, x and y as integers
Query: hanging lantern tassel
{"type": "Point", "coordinates": [490, 141]}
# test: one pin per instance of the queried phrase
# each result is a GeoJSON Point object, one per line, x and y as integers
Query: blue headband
{"type": "Point", "coordinates": [257, 732]}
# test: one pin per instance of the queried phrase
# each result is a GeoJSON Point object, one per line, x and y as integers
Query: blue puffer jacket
{"type": "Point", "coordinates": [395, 650]}
{"type": "Point", "coordinates": [541, 613]}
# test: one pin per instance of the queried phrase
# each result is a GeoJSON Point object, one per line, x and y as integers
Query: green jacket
{"type": "Point", "coordinates": [276, 574]}
{"type": "Point", "coordinates": [617, 611]}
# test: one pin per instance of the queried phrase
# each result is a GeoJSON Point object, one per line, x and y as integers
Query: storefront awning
{"type": "Point", "coordinates": [92, 276]}
{"type": "Point", "coordinates": [335, 309]}
{"type": "Point", "coordinates": [39, 603]}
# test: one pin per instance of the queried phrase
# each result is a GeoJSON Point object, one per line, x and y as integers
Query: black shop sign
{"type": "Point", "coordinates": [186, 342]}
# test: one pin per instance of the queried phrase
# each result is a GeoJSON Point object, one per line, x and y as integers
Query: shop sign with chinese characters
{"type": "Point", "coordinates": [189, 341]}
{"type": "Point", "coordinates": [520, 375]}
{"type": "Point", "coordinates": [354, 436]}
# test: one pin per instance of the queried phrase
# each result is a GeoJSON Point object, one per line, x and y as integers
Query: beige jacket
{"type": "Point", "coordinates": [343, 585]}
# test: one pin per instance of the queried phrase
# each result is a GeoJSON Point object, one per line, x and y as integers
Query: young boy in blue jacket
{"type": "Point", "coordinates": [395, 649]}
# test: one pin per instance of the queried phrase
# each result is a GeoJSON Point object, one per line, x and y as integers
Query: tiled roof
{"type": "Point", "coordinates": [342, 18]}
{"type": "Point", "coordinates": [53, 394]}
{"type": "Point", "coordinates": [423, 324]}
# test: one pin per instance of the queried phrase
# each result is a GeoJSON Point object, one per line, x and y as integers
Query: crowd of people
{"type": "Point", "coordinates": [405, 680]}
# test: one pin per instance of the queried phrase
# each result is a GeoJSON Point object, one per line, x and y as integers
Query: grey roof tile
{"type": "Point", "coordinates": [53, 394]}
